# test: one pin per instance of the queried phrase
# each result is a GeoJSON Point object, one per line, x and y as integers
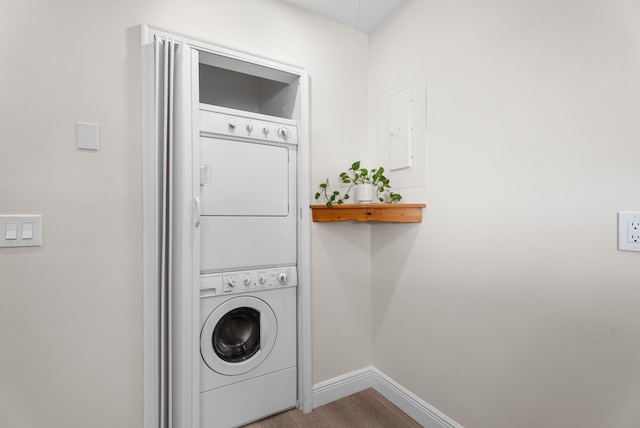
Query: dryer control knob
{"type": "Point", "coordinates": [249, 127]}
{"type": "Point", "coordinates": [246, 282]}
{"type": "Point", "coordinates": [283, 133]}
{"type": "Point", "coordinates": [283, 277]}
{"type": "Point", "coordinates": [265, 131]}
{"type": "Point", "coordinates": [262, 279]}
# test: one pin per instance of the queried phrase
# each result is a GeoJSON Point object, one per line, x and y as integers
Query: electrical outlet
{"type": "Point", "coordinates": [633, 231]}
{"type": "Point", "coordinates": [629, 231]}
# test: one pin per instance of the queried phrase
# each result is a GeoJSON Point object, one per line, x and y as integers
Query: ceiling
{"type": "Point", "coordinates": [363, 15]}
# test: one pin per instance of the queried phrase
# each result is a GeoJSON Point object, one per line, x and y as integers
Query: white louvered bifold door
{"type": "Point", "coordinates": [177, 392]}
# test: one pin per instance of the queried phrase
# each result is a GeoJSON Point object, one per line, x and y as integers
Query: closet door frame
{"type": "Point", "coordinates": [186, 409]}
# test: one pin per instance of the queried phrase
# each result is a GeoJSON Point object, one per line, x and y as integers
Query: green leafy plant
{"type": "Point", "coordinates": [331, 197]}
{"type": "Point", "coordinates": [354, 176]}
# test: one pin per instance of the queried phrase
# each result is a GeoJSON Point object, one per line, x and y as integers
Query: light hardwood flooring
{"type": "Point", "coordinates": [365, 409]}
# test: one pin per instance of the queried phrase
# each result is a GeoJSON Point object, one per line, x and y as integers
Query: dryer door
{"type": "Point", "coordinates": [238, 335]}
{"type": "Point", "coordinates": [245, 179]}
{"type": "Point", "coordinates": [248, 200]}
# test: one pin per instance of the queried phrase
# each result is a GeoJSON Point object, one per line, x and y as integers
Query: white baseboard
{"type": "Point", "coordinates": [423, 412]}
{"type": "Point", "coordinates": [370, 377]}
{"type": "Point", "coordinates": [341, 386]}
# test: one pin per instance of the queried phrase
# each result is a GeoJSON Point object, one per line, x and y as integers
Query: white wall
{"type": "Point", "coordinates": [509, 306]}
{"type": "Point", "coordinates": [512, 303]}
{"type": "Point", "coordinates": [71, 311]}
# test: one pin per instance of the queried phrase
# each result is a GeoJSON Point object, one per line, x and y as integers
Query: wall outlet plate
{"type": "Point", "coordinates": [87, 136]}
{"type": "Point", "coordinates": [629, 231]}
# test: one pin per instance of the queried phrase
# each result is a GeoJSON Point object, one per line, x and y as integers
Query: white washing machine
{"type": "Point", "coordinates": [248, 367]}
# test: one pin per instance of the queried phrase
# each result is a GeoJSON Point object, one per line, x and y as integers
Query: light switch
{"type": "Point", "coordinates": [11, 231]}
{"type": "Point", "coordinates": [20, 231]}
{"type": "Point", "coordinates": [27, 230]}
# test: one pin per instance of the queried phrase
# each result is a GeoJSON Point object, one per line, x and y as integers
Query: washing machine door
{"type": "Point", "coordinates": [238, 335]}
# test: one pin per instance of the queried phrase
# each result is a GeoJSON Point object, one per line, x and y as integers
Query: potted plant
{"type": "Point", "coordinates": [369, 185]}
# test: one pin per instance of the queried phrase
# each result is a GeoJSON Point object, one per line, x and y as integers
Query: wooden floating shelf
{"type": "Point", "coordinates": [390, 213]}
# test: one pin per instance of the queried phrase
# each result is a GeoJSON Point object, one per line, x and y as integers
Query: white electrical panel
{"type": "Point", "coordinates": [20, 231]}
{"type": "Point", "coordinates": [401, 130]}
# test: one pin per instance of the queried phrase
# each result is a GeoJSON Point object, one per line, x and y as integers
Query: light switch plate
{"type": "Point", "coordinates": [628, 231]}
{"type": "Point", "coordinates": [28, 231]}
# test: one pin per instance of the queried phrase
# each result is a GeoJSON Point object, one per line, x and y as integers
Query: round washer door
{"type": "Point", "coordinates": [238, 335]}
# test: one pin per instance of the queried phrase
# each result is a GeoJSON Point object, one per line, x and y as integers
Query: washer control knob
{"type": "Point", "coordinates": [246, 281]}
{"type": "Point", "coordinates": [231, 282]}
{"type": "Point", "coordinates": [265, 131]}
{"type": "Point", "coordinates": [283, 133]}
{"type": "Point", "coordinates": [283, 277]}
{"type": "Point", "coordinates": [232, 126]}
{"type": "Point", "coordinates": [249, 127]}
{"type": "Point", "coordinates": [262, 279]}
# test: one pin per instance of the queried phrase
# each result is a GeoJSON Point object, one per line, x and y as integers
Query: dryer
{"type": "Point", "coordinates": [247, 190]}
{"type": "Point", "coordinates": [248, 364]}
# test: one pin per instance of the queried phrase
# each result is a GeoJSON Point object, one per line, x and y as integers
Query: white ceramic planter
{"type": "Point", "coordinates": [365, 193]}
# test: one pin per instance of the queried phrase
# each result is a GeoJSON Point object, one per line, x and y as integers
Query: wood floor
{"type": "Point", "coordinates": [366, 409]}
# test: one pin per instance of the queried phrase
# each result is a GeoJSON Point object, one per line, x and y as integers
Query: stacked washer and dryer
{"type": "Point", "coordinates": [248, 227]}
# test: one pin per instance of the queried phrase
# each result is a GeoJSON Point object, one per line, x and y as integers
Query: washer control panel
{"type": "Point", "coordinates": [248, 280]}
